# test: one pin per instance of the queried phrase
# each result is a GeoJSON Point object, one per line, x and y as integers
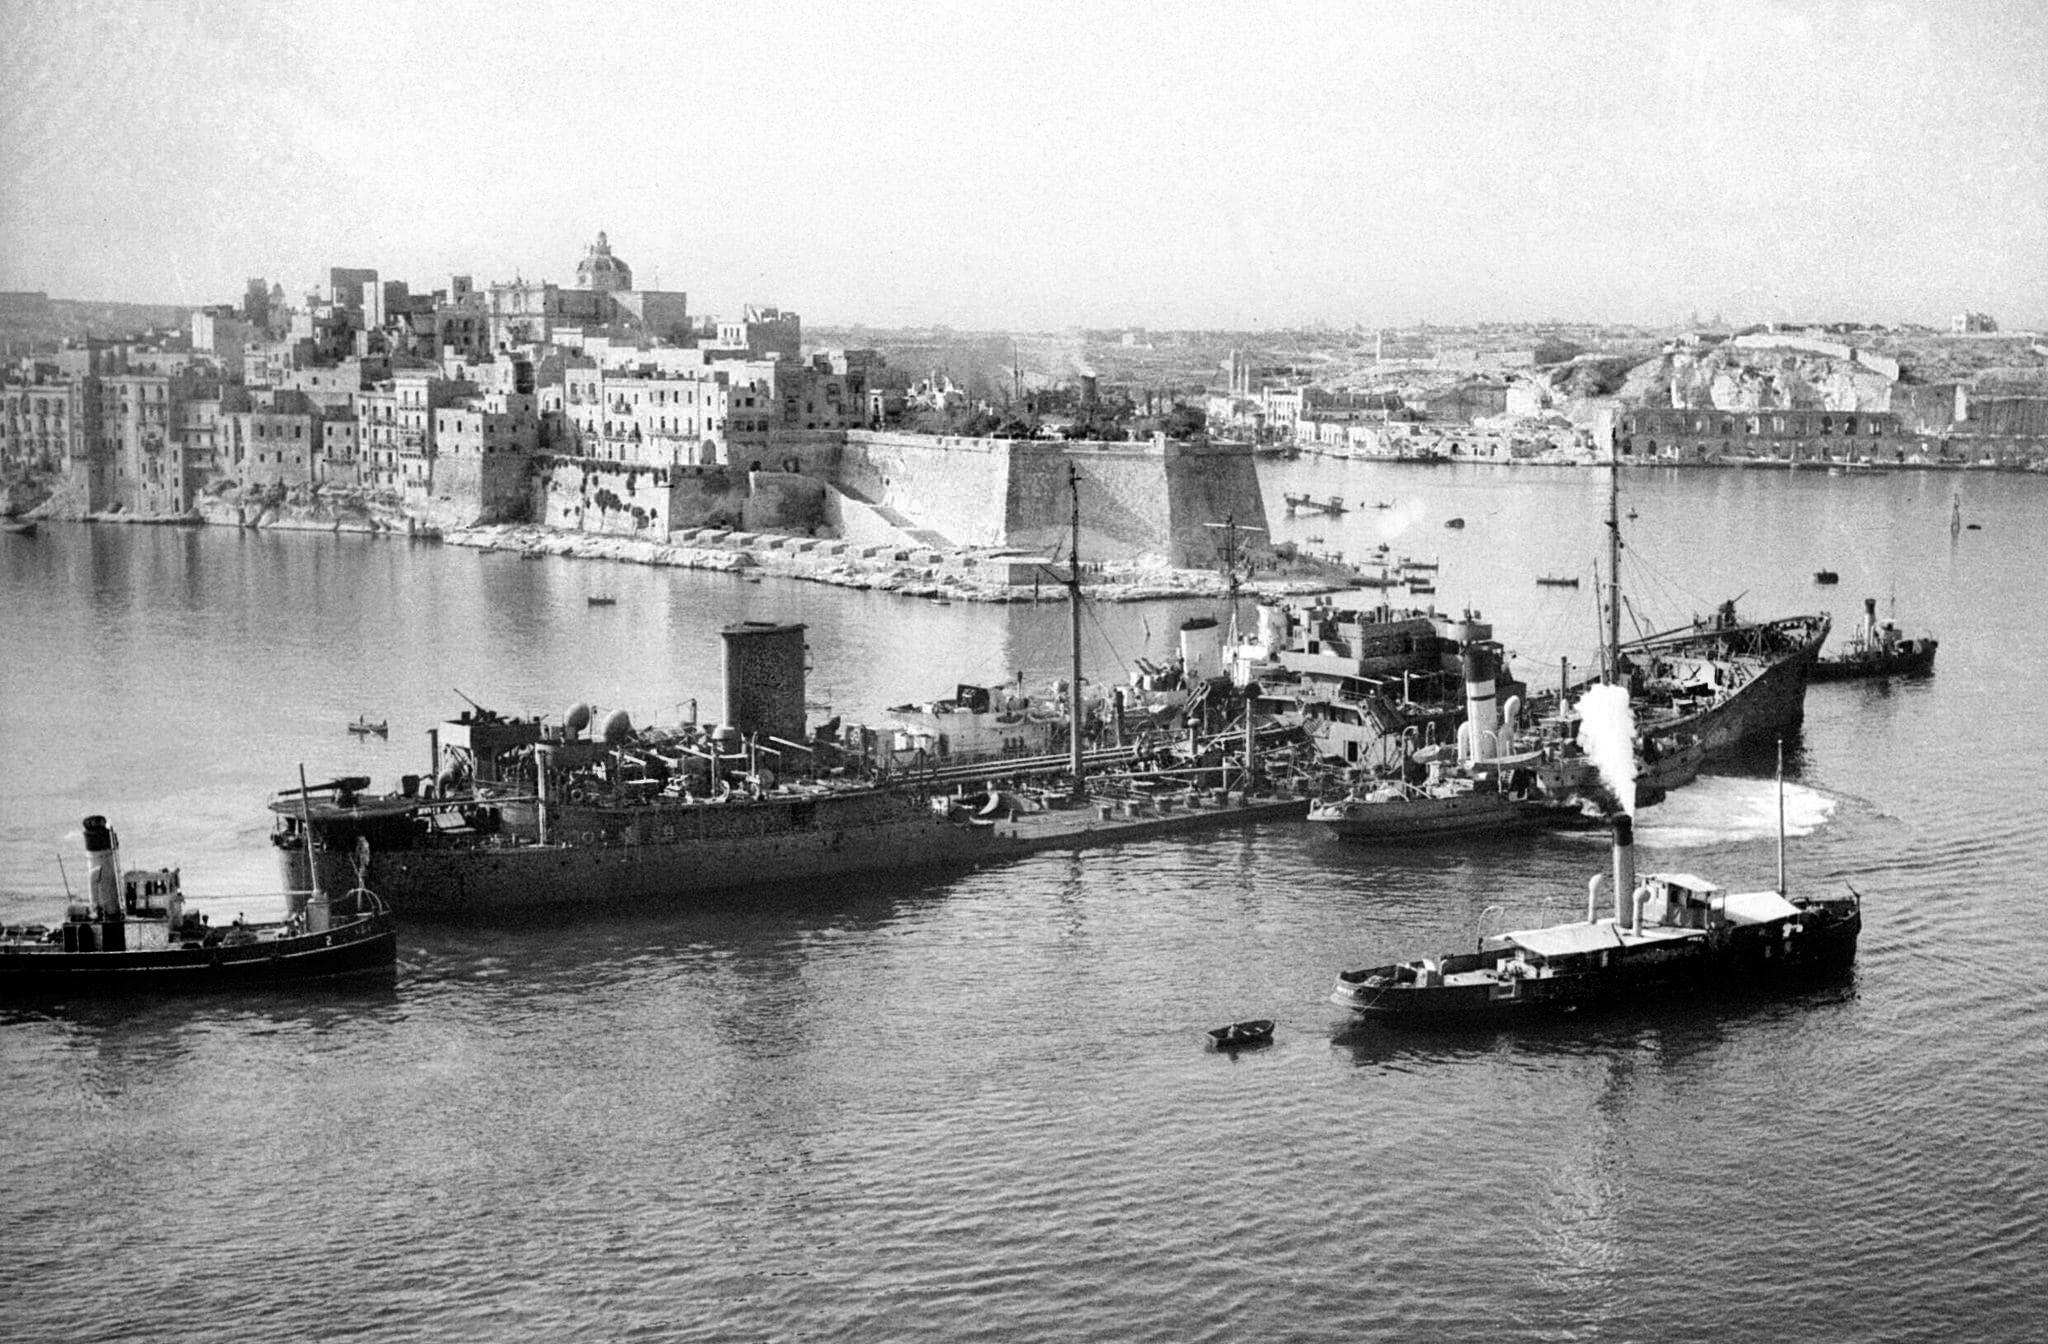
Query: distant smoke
{"type": "Point", "coordinates": [1607, 732]}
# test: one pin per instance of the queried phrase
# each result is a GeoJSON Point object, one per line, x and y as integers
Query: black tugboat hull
{"type": "Point", "coordinates": [1918, 662]}
{"type": "Point", "coordinates": [368, 947]}
{"type": "Point", "coordinates": [1745, 964]}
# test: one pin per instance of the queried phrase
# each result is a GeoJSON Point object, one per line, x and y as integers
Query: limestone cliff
{"type": "Point", "coordinates": [1728, 378]}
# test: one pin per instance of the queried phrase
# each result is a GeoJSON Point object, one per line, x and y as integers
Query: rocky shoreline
{"type": "Point", "coordinates": [931, 575]}
{"type": "Point", "coordinates": [943, 575]}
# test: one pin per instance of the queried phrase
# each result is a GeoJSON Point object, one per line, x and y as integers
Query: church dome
{"type": "Point", "coordinates": [601, 271]}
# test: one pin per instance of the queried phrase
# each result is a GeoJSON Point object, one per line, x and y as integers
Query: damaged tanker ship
{"type": "Point", "coordinates": [520, 814]}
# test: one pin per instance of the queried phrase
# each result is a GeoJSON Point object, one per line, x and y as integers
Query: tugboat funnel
{"type": "Point", "coordinates": [1624, 868]}
{"type": "Point", "coordinates": [102, 883]}
{"type": "Point", "coordinates": [1482, 711]}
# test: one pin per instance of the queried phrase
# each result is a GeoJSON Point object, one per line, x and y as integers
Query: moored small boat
{"type": "Point", "coordinates": [1237, 1035]}
{"type": "Point", "coordinates": [18, 527]}
{"type": "Point", "coordinates": [1454, 522]}
{"type": "Point", "coordinates": [131, 930]}
{"type": "Point", "coordinates": [600, 600]}
{"type": "Point", "coordinates": [1556, 581]}
{"type": "Point", "coordinates": [1826, 576]}
{"type": "Point", "coordinates": [363, 727]}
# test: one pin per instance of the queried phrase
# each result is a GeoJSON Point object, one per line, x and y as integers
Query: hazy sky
{"type": "Point", "coordinates": [1038, 166]}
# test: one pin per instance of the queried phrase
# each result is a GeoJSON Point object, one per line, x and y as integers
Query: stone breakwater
{"type": "Point", "coordinates": [958, 575]}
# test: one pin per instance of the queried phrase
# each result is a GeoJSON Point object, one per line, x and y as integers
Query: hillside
{"type": "Point", "coordinates": [64, 319]}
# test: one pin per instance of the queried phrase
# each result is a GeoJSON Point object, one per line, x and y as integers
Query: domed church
{"type": "Point", "coordinates": [601, 271]}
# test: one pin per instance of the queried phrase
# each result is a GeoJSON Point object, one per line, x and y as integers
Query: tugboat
{"type": "Point", "coordinates": [131, 931]}
{"type": "Point", "coordinates": [1670, 934]}
{"type": "Point", "coordinates": [1877, 651]}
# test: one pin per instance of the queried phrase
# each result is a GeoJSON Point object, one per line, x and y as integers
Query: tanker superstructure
{"type": "Point", "coordinates": [519, 813]}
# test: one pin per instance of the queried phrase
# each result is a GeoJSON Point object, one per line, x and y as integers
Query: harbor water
{"type": "Point", "coordinates": [983, 1106]}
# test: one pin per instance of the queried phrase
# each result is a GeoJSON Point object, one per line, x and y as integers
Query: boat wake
{"type": "Point", "coordinates": [1717, 809]}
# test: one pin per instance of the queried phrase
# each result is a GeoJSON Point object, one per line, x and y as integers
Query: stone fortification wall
{"type": "Point", "coordinates": [587, 495]}
{"type": "Point", "coordinates": [1126, 512]}
{"type": "Point", "coordinates": [1209, 484]}
{"type": "Point", "coordinates": [956, 487]}
{"type": "Point", "coordinates": [860, 523]}
{"type": "Point", "coordinates": [1138, 500]}
{"type": "Point", "coordinates": [478, 491]}
{"type": "Point", "coordinates": [2019, 417]}
{"type": "Point", "coordinates": [783, 502]}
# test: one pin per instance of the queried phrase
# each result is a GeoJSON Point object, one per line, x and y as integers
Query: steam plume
{"type": "Point", "coordinates": [1607, 732]}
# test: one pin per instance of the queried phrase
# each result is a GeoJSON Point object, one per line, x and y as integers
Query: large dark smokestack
{"type": "Point", "coordinates": [102, 883]}
{"type": "Point", "coordinates": [1624, 869]}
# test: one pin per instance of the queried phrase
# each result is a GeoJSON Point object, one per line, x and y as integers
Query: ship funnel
{"type": "Point", "coordinates": [1482, 713]}
{"type": "Point", "coordinates": [102, 883]}
{"type": "Point", "coordinates": [764, 679]}
{"type": "Point", "coordinates": [1624, 868]}
{"type": "Point", "coordinates": [1201, 649]}
{"type": "Point", "coordinates": [1869, 621]}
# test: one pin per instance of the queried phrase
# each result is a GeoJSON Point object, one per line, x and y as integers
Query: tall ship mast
{"type": "Point", "coordinates": [1079, 788]}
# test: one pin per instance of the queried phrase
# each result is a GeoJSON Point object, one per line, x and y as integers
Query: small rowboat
{"type": "Point", "coordinates": [1256, 1031]}
{"type": "Point", "coordinates": [600, 600]}
{"type": "Point", "coordinates": [362, 727]}
{"type": "Point", "coordinates": [1826, 576]}
{"type": "Point", "coordinates": [19, 527]}
{"type": "Point", "coordinates": [1454, 522]}
{"type": "Point", "coordinates": [1554, 581]}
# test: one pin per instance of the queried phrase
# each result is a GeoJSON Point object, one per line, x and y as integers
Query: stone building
{"type": "Point", "coordinates": [484, 446]}
{"type": "Point", "coordinates": [35, 423]}
{"type": "Point", "coordinates": [1694, 434]}
{"type": "Point", "coordinates": [764, 333]}
{"type": "Point", "coordinates": [600, 271]}
{"type": "Point", "coordinates": [276, 443]}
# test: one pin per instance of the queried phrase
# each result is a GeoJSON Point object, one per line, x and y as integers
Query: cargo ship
{"type": "Point", "coordinates": [1726, 681]}
{"type": "Point", "coordinates": [1721, 682]}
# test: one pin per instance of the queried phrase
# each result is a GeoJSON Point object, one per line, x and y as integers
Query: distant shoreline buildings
{"type": "Point", "coordinates": [611, 408]}
{"type": "Point", "coordinates": [445, 399]}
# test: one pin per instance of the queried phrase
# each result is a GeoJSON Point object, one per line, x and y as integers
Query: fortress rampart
{"type": "Point", "coordinates": [1154, 499]}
